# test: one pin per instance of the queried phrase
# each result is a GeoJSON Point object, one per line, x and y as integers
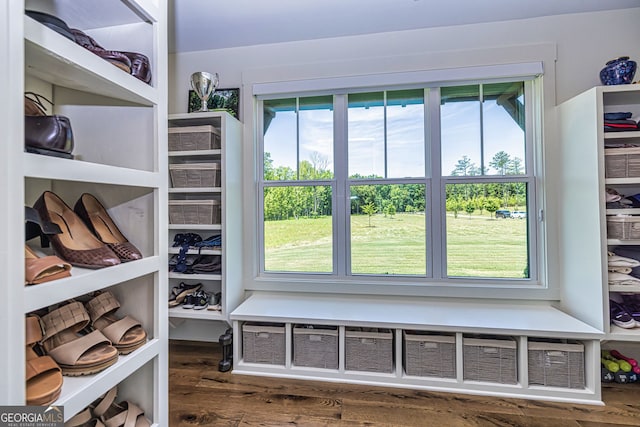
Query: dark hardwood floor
{"type": "Point", "coordinates": [200, 395]}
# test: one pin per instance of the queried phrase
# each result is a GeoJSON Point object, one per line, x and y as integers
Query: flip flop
{"type": "Point", "coordinates": [44, 376]}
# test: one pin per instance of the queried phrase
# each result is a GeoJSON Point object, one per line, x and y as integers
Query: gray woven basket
{"type": "Point", "coordinates": [622, 162]}
{"type": "Point", "coordinates": [429, 355]}
{"type": "Point", "coordinates": [185, 175]}
{"type": "Point", "coordinates": [263, 344]}
{"type": "Point", "coordinates": [490, 359]}
{"type": "Point", "coordinates": [370, 351]}
{"type": "Point", "coordinates": [556, 364]}
{"type": "Point", "coordinates": [317, 347]}
{"type": "Point", "coordinates": [193, 138]}
{"type": "Point", "coordinates": [194, 212]}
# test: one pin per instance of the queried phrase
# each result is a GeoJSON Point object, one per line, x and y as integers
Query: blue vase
{"type": "Point", "coordinates": [618, 71]}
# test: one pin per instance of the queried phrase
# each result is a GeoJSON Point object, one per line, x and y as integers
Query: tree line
{"type": "Point", "coordinates": [287, 202]}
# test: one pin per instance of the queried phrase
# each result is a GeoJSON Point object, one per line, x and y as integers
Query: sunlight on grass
{"type": "Point", "coordinates": [477, 245]}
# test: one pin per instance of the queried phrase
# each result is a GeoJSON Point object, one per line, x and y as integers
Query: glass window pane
{"type": "Point", "coordinates": [405, 133]}
{"type": "Point", "coordinates": [503, 128]}
{"type": "Point", "coordinates": [366, 135]}
{"type": "Point", "coordinates": [280, 139]}
{"type": "Point", "coordinates": [487, 230]}
{"type": "Point", "coordinates": [460, 130]}
{"type": "Point", "coordinates": [316, 137]}
{"type": "Point", "coordinates": [388, 232]}
{"type": "Point", "coordinates": [298, 229]}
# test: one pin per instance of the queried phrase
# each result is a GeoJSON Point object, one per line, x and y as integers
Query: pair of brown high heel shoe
{"type": "Point", "coordinates": [89, 236]}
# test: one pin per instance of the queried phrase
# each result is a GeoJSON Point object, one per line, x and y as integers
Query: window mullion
{"type": "Point", "coordinates": [435, 209]}
{"type": "Point", "coordinates": [341, 202]}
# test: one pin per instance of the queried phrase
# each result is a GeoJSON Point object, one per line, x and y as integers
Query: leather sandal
{"type": "Point", "coordinates": [84, 419]}
{"type": "Point", "coordinates": [76, 354]}
{"type": "Point", "coordinates": [44, 376]}
{"type": "Point", "coordinates": [95, 216]}
{"type": "Point", "coordinates": [40, 270]}
{"type": "Point", "coordinates": [126, 333]}
{"type": "Point", "coordinates": [180, 292]}
{"type": "Point", "coordinates": [76, 244]}
{"type": "Point", "coordinates": [123, 414]}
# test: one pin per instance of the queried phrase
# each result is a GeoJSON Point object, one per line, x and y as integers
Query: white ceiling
{"type": "Point", "coordinates": [215, 24]}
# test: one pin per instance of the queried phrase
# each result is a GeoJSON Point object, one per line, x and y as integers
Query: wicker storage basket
{"type": "Point", "coordinates": [315, 346]}
{"type": "Point", "coordinates": [263, 343]}
{"type": "Point", "coordinates": [623, 227]}
{"type": "Point", "coordinates": [556, 364]}
{"type": "Point", "coordinates": [490, 359]}
{"type": "Point", "coordinates": [622, 162]}
{"type": "Point", "coordinates": [429, 355]}
{"type": "Point", "coordinates": [193, 138]}
{"type": "Point", "coordinates": [369, 350]}
{"type": "Point", "coordinates": [194, 212]}
{"type": "Point", "coordinates": [187, 175]}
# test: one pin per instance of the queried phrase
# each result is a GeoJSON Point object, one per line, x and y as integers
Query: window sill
{"type": "Point", "coordinates": [403, 288]}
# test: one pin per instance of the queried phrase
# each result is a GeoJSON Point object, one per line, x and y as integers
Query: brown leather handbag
{"type": "Point", "coordinates": [44, 134]}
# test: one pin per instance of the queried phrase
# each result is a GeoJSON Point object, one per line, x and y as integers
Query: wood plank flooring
{"type": "Point", "coordinates": [200, 395]}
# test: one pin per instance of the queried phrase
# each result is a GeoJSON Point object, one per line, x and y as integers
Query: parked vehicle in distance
{"type": "Point", "coordinates": [503, 213]}
{"type": "Point", "coordinates": [518, 214]}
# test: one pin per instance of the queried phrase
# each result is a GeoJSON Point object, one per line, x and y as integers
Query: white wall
{"type": "Point", "coordinates": [580, 44]}
{"type": "Point", "coordinates": [584, 41]}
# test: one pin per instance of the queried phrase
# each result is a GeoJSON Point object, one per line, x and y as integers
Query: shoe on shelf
{"type": "Point", "coordinates": [216, 301]}
{"type": "Point", "coordinates": [620, 316]}
{"type": "Point", "coordinates": [34, 225]}
{"type": "Point", "coordinates": [189, 301]}
{"type": "Point", "coordinates": [180, 292]}
{"type": "Point", "coordinates": [631, 304]}
{"type": "Point", "coordinates": [95, 216]}
{"type": "Point", "coordinates": [84, 419]}
{"type": "Point", "coordinates": [126, 333]}
{"type": "Point", "coordinates": [76, 354]}
{"type": "Point", "coordinates": [44, 376]}
{"type": "Point", "coordinates": [76, 244]}
{"type": "Point", "coordinates": [201, 300]}
{"type": "Point", "coordinates": [43, 269]}
{"type": "Point", "coordinates": [114, 414]}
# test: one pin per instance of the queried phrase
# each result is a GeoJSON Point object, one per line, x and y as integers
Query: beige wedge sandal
{"type": "Point", "coordinates": [125, 333]}
{"type": "Point", "coordinates": [123, 414]}
{"type": "Point", "coordinates": [76, 354]}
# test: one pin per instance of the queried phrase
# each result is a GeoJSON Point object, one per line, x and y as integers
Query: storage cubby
{"type": "Point", "coordinates": [356, 342]}
{"type": "Point", "coordinates": [204, 199]}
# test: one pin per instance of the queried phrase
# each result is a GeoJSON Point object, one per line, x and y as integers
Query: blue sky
{"type": "Point", "coordinates": [460, 136]}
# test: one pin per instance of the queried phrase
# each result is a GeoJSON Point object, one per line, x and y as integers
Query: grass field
{"type": "Point", "coordinates": [477, 245]}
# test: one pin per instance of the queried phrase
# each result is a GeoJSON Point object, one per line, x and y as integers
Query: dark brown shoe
{"type": "Point", "coordinates": [140, 66]}
{"type": "Point", "coordinates": [116, 58]}
{"type": "Point", "coordinates": [95, 216]}
{"type": "Point", "coordinates": [76, 244]}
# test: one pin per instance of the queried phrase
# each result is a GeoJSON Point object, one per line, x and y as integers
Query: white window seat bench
{"type": "Point", "coordinates": [521, 322]}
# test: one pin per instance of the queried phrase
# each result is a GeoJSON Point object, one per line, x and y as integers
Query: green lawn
{"type": "Point", "coordinates": [477, 245]}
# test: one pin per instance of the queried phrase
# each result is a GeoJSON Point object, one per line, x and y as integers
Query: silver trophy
{"type": "Point", "coordinates": [204, 84]}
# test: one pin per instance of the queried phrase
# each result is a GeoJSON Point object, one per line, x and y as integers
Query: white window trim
{"type": "Point", "coordinates": [259, 79]}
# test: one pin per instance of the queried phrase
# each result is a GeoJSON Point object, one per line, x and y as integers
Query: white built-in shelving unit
{"type": "Point", "coordinates": [583, 223]}
{"type": "Point", "coordinates": [120, 126]}
{"type": "Point", "coordinates": [196, 324]}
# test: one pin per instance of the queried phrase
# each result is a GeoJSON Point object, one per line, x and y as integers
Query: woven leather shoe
{"type": "Point", "coordinates": [76, 244]}
{"type": "Point", "coordinates": [95, 216]}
